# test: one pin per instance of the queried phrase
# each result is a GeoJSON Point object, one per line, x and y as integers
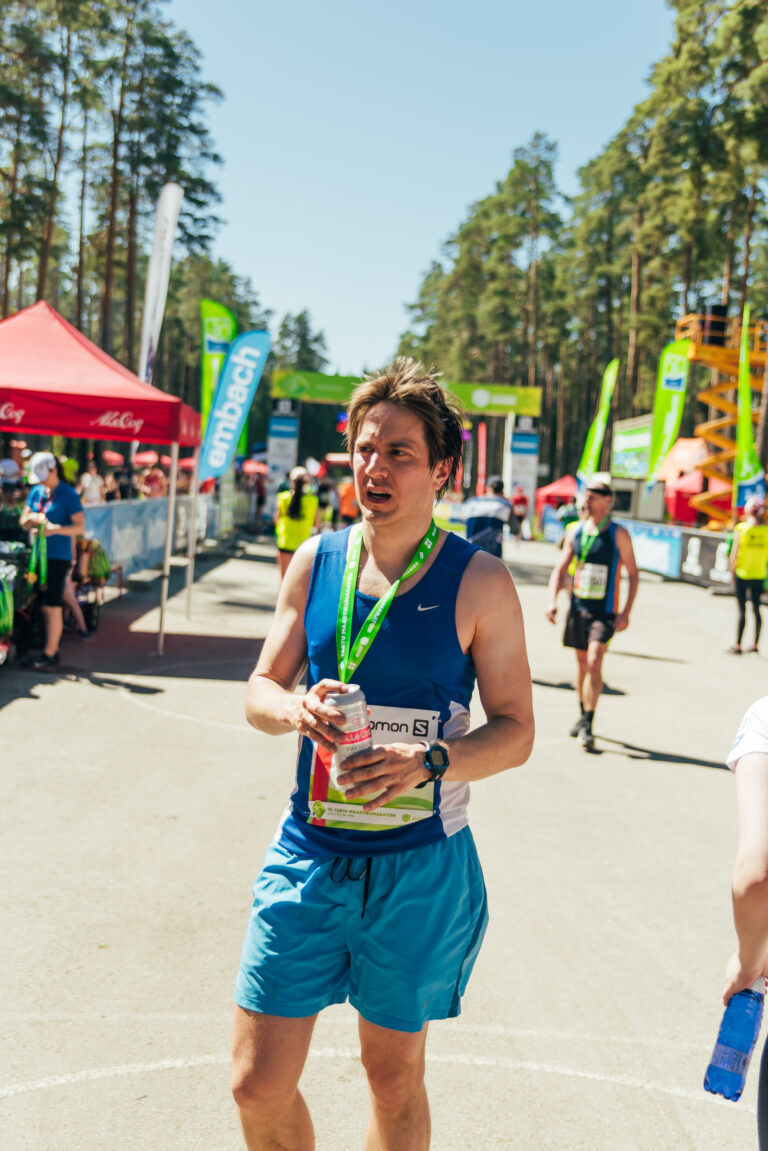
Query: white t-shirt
{"type": "Point", "coordinates": [9, 470]}
{"type": "Point", "coordinates": [752, 735]}
{"type": "Point", "coordinates": [91, 488]}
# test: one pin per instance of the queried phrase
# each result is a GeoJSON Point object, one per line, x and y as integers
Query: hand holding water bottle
{"type": "Point", "coordinates": [736, 1039]}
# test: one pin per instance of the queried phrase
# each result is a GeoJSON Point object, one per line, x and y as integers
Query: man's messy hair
{"type": "Point", "coordinates": [408, 384]}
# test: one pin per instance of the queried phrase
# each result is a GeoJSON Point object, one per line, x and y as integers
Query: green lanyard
{"type": "Point", "coordinates": [588, 540]}
{"type": "Point", "coordinates": [39, 558]}
{"type": "Point", "coordinates": [351, 658]}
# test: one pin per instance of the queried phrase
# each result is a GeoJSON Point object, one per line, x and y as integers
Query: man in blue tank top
{"type": "Point", "coordinates": [371, 890]}
{"type": "Point", "coordinates": [600, 548]}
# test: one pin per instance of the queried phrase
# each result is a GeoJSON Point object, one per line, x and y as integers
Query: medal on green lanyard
{"type": "Point", "coordinates": [351, 655]}
{"type": "Point", "coordinates": [588, 540]}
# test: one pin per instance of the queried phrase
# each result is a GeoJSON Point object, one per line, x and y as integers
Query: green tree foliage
{"type": "Point", "coordinates": [669, 218]}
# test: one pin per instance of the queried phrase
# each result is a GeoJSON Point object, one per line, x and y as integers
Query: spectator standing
{"type": "Point", "coordinates": [486, 515]}
{"type": "Point", "coordinates": [154, 485]}
{"type": "Point", "coordinates": [296, 515]}
{"type": "Point", "coordinates": [54, 505]}
{"type": "Point", "coordinates": [748, 562]}
{"type": "Point", "coordinates": [519, 509]}
{"type": "Point", "coordinates": [349, 509]}
{"type": "Point", "coordinates": [91, 488]}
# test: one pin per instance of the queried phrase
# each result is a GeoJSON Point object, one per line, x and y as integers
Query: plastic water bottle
{"type": "Point", "coordinates": [357, 729]}
{"type": "Point", "coordinates": [736, 1039]}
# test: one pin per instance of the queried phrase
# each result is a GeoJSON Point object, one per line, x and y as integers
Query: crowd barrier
{"type": "Point", "coordinates": [671, 551]}
{"type": "Point", "coordinates": [132, 532]}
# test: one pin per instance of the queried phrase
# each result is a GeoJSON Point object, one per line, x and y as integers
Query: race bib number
{"type": "Point", "coordinates": [328, 806]}
{"type": "Point", "coordinates": [591, 581]}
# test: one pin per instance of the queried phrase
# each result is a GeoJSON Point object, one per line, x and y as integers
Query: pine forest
{"type": "Point", "coordinates": [102, 103]}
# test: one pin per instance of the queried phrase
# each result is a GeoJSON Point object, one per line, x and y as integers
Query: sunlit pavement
{"type": "Point", "coordinates": [137, 805]}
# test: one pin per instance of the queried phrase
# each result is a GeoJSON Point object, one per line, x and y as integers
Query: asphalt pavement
{"type": "Point", "coordinates": [137, 805]}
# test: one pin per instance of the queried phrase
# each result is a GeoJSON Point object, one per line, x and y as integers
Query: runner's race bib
{"type": "Point", "coordinates": [590, 581]}
{"type": "Point", "coordinates": [328, 807]}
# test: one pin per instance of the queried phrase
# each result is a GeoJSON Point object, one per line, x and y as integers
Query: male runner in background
{"type": "Point", "coordinates": [600, 548]}
{"type": "Point", "coordinates": [486, 515]}
{"type": "Point", "coordinates": [374, 893]}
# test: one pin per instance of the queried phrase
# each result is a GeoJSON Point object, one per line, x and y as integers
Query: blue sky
{"type": "Point", "coordinates": [356, 135]}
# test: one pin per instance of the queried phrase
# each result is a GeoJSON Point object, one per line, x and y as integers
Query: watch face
{"type": "Point", "coordinates": [437, 756]}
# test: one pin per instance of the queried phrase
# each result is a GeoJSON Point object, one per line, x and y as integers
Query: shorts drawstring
{"type": "Point", "coordinates": [343, 868]}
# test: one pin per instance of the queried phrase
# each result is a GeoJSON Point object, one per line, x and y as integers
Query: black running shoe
{"type": "Point", "coordinates": [577, 727]}
{"type": "Point", "coordinates": [43, 662]}
{"type": "Point", "coordinates": [587, 739]}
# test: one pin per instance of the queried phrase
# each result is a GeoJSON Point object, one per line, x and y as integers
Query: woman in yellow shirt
{"type": "Point", "coordinates": [296, 516]}
{"type": "Point", "coordinates": [749, 564]}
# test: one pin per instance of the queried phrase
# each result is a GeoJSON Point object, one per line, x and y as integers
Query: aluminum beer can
{"type": "Point", "coordinates": [357, 729]}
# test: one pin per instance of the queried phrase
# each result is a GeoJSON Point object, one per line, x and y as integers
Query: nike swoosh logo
{"type": "Point", "coordinates": [431, 607]}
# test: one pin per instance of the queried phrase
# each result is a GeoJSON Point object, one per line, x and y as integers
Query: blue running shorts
{"type": "Point", "coordinates": [397, 935]}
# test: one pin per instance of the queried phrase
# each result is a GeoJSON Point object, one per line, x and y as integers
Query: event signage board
{"type": "Point", "coordinates": [668, 404]}
{"type": "Point", "coordinates": [705, 559]}
{"type": "Point", "coordinates": [593, 446]}
{"type": "Point", "coordinates": [748, 475]}
{"type": "Point", "coordinates": [485, 399]}
{"type": "Point", "coordinates": [219, 328]}
{"type": "Point", "coordinates": [282, 445]}
{"type": "Point", "coordinates": [631, 449]}
{"type": "Point", "coordinates": [524, 449]}
{"type": "Point", "coordinates": [235, 390]}
{"type": "Point", "coordinates": [158, 274]}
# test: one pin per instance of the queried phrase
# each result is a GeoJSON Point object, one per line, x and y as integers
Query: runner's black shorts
{"type": "Point", "coordinates": [584, 627]}
{"type": "Point", "coordinates": [57, 575]}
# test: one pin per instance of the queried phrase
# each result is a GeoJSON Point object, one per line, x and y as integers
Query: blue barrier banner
{"type": "Point", "coordinates": [132, 532]}
{"type": "Point", "coordinates": [657, 548]}
{"type": "Point", "coordinates": [235, 390]}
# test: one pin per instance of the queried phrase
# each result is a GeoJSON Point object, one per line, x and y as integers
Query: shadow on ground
{"type": "Point", "coordinates": [116, 651]}
{"type": "Point", "coordinates": [633, 752]}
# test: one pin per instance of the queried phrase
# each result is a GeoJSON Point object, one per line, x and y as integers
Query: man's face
{"type": "Point", "coordinates": [597, 505]}
{"type": "Point", "coordinates": [394, 482]}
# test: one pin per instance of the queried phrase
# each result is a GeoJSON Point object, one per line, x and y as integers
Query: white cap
{"type": "Point", "coordinates": [753, 503]}
{"type": "Point", "coordinates": [40, 466]}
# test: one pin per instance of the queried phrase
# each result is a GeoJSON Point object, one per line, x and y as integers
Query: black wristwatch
{"type": "Point", "coordinates": [436, 762]}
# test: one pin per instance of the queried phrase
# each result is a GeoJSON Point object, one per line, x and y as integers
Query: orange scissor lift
{"type": "Point", "coordinates": [715, 343]}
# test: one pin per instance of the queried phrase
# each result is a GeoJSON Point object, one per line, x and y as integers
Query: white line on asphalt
{"type": "Point", "coordinates": [449, 1027]}
{"type": "Point", "coordinates": [342, 1053]}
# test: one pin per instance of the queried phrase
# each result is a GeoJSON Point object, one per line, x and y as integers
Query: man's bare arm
{"type": "Point", "coordinates": [627, 555]}
{"type": "Point", "coordinates": [750, 875]}
{"type": "Point", "coordinates": [272, 704]}
{"type": "Point", "coordinates": [559, 576]}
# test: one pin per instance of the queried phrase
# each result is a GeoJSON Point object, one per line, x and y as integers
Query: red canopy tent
{"type": "Point", "coordinates": [558, 492]}
{"type": "Point", "coordinates": [55, 381]}
{"type": "Point", "coordinates": [678, 492]}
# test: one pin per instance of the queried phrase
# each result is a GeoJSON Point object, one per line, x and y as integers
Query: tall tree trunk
{"type": "Point", "coordinates": [725, 295]}
{"type": "Point", "coordinates": [10, 203]}
{"type": "Point", "coordinates": [747, 247]}
{"type": "Point", "coordinates": [635, 304]}
{"type": "Point", "coordinates": [131, 272]}
{"type": "Point", "coordinates": [114, 188]}
{"type": "Point", "coordinates": [50, 222]}
{"type": "Point", "coordinates": [533, 294]}
{"type": "Point", "coordinates": [80, 294]}
{"type": "Point", "coordinates": [687, 273]}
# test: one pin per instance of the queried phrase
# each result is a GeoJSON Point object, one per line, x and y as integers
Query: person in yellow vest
{"type": "Point", "coordinates": [296, 516]}
{"type": "Point", "coordinates": [749, 566]}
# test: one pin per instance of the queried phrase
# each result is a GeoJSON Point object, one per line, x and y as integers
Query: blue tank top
{"type": "Point", "coordinates": [419, 684]}
{"type": "Point", "coordinates": [596, 579]}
